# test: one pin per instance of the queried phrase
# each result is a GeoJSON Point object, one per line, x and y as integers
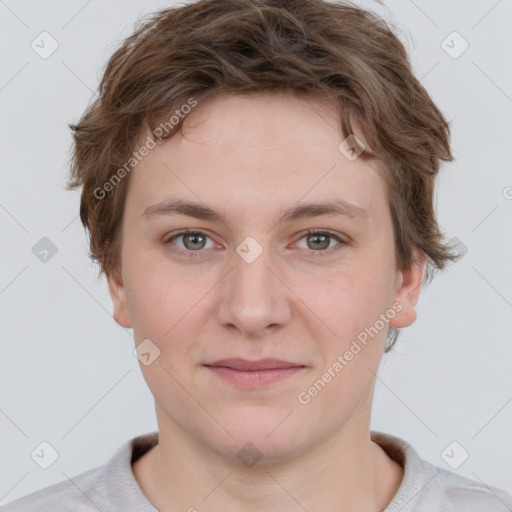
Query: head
{"type": "Point", "coordinates": [252, 109]}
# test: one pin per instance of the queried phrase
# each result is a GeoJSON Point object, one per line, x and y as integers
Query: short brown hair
{"type": "Point", "coordinates": [200, 50]}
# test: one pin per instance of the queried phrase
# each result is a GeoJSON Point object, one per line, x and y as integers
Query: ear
{"type": "Point", "coordinates": [118, 294]}
{"type": "Point", "coordinates": [408, 289]}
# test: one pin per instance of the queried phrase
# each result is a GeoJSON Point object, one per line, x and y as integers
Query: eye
{"type": "Point", "coordinates": [192, 242]}
{"type": "Point", "coordinates": [319, 241]}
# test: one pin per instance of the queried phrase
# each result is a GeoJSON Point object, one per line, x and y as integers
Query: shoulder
{"type": "Point", "coordinates": [84, 492]}
{"type": "Point", "coordinates": [452, 492]}
{"type": "Point", "coordinates": [103, 488]}
{"type": "Point", "coordinates": [429, 488]}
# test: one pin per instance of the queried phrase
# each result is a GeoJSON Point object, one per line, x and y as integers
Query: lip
{"type": "Point", "coordinates": [253, 374]}
{"type": "Point", "coordinates": [248, 365]}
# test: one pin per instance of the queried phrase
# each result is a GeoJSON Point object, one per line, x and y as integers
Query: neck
{"type": "Point", "coordinates": [348, 472]}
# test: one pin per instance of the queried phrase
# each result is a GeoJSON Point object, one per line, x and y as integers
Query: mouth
{"type": "Point", "coordinates": [253, 374]}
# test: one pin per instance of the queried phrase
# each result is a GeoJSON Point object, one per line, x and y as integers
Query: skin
{"type": "Point", "coordinates": [249, 158]}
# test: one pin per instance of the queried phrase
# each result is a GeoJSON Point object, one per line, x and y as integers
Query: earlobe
{"type": "Point", "coordinates": [117, 291]}
{"type": "Point", "coordinates": [408, 290]}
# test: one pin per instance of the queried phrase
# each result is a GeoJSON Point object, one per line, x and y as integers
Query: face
{"type": "Point", "coordinates": [249, 282]}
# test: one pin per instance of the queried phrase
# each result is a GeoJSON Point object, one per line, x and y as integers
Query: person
{"type": "Point", "coordinates": [258, 187]}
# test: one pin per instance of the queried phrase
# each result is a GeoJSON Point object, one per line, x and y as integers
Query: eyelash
{"type": "Point", "coordinates": [319, 253]}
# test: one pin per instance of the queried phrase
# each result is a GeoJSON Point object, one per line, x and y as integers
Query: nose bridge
{"type": "Point", "coordinates": [251, 273]}
{"type": "Point", "coordinates": [254, 298]}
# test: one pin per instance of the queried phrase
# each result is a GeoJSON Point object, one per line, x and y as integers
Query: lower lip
{"type": "Point", "coordinates": [254, 378]}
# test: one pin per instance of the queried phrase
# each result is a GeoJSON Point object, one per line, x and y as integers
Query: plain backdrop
{"type": "Point", "coordinates": [68, 375]}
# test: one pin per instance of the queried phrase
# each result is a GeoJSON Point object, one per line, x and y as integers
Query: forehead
{"type": "Point", "coordinates": [258, 121]}
{"type": "Point", "coordinates": [258, 151]}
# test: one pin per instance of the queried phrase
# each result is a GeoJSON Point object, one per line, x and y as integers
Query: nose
{"type": "Point", "coordinates": [254, 298]}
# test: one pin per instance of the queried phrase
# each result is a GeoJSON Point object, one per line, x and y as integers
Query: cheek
{"type": "Point", "coordinates": [152, 297]}
{"type": "Point", "coordinates": [349, 300]}
{"type": "Point", "coordinates": [167, 304]}
{"type": "Point", "coordinates": [350, 305]}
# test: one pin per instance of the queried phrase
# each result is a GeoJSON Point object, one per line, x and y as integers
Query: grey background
{"type": "Point", "coordinates": [67, 372]}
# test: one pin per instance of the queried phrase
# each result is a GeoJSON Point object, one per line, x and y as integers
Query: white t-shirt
{"type": "Point", "coordinates": [113, 488]}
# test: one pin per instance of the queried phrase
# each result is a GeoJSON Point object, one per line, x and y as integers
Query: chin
{"type": "Point", "coordinates": [257, 440]}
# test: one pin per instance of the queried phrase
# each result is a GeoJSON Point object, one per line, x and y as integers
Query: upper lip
{"type": "Point", "coordinates": [260, 364]}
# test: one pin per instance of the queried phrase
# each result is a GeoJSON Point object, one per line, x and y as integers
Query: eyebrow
{"type": "Point", "coordinates": [336, 207]}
